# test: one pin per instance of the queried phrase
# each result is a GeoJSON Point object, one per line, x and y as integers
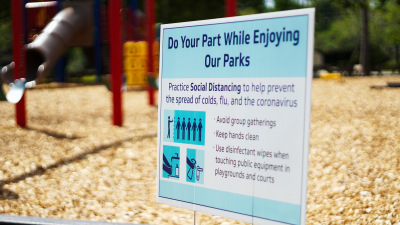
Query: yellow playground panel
{"type": "Point", "coordinates": [135, 62]}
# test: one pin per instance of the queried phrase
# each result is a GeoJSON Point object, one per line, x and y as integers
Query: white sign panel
{"type": "Point", "coordinates": [234, 116]}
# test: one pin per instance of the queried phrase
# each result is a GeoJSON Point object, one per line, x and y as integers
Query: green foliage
{"type": "Point", "coordinates": [77, 61]}
{"type": "Point", "coordinates": [281, 5]}
{"type": "Point", "coordinates": [352, 4]}
{"type": "Point", "coordinates": [174, 11]}
{"type": "Point", "coordinates": [189, 10]}
{"type": "Point", "coordinates": [5, 42]}
{"type": "Point", "coordinates": [342, 35]}
{"type": "Point", "coordinates": [338, 29]}
{"type": "Point", "coordinates": [251, 6]}
{"type": "Point", "coordinates": [325, 13]}
{"type": "Point", "coordinates": [391, 18]}
{"type": "Point", "coordinates": [5, 33]}
{"type": "Point", "coordinates": [247, 11]}
{"type": "Point", "coordinates": [5, 10]}
{"type": "Point", "coordinates": [379, 54]}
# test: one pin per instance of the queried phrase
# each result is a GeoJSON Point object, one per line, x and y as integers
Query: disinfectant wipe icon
{"type": "Point", "coordinates": [195, 166]}
{"type": "Point", "coordinates": [171, 162]}
{"type": "Point", "coordinates": [192, 166]}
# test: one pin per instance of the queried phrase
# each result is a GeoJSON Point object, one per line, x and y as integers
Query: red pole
{"type": "Point", "coordinates": [19, 55]}
{"type": "Point", "coordinates": [150, 40]}
{"type": "Point", "coordinates": [230, 8]}
{"type": "Point", "coordinates": [115, 23]}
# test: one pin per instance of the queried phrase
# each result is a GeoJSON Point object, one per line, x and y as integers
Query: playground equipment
{"type": "Point", "coordinates": [135, 62]}
{"type": "Point", "coordinates": [43, 52]}
{"type": "Point", "coordinates": [331, 76]}
{"type": "Point", "coordinates": [68, 26]}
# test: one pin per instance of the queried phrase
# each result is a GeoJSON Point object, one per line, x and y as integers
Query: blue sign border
{"type": "Point", "coordinates": [308, 79]}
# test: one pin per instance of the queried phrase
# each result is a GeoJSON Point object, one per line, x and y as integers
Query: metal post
{"type": "Point", "coordinates": [97, 39]}
{"type": "Point", "coordinates": [19, 55]}
{"type": "Point", "coordinates": [114, 8]}
{"type": "Point", "coordinates": [134, 7]}
{"type": "Point", "coordinates": [25, 20]}
{"type": "Point", "coordinates": [60, 66]}
{"type": "Point", "coordinates": [150, 40]}
{"type": "Point", "coordinates": [230, 8]}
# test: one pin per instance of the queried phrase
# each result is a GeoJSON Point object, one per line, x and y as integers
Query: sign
{"type": "Point", "coordinates": [234, 116]}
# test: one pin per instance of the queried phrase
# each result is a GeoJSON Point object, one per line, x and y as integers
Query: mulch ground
{"type": "Point", "coordinates": [71, 163]}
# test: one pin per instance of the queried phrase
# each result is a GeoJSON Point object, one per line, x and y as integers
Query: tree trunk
{"type": "Point", "coordinates": [364, 48]}
{"type": "Point", "coordinates": [353, 58]}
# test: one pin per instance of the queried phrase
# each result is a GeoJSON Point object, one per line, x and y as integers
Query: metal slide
{"type": "Point", "coordinates": [43, 53]}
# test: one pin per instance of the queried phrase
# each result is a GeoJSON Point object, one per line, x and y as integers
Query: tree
{"type": "Point", "coordinates": [338, 40]}
{"type": "Point", "coordinates": [325, 14]}
{"type": "Point", "coordinates": [392, 28]}
{"type": "Point", "coordinates": [364, 7]}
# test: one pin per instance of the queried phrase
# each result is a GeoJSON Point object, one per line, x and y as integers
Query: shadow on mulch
{"type": "Point", "coordinates": [52, 133]}
{"type": "Point", "coordinates": [64, 161]}
{"type": "Point", "coordinates": [8, 195]}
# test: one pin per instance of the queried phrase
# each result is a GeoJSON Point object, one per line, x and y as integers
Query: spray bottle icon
{"type": "Point", "coordinates": [198, 172]}
{"type": "Point", "coordinates": [177, 170]}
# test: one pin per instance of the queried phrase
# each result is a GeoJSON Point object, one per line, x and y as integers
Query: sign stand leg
{"type": "Point", "coordinates": [194, 220]}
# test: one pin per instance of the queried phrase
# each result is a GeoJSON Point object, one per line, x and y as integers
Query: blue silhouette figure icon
{"type": "Point", "coordinates": [188, 126]}
{"type": "Point", "coordinates": [194, 129]}
{"type": "Point", "coordinates": [178, 127]}
{"type": "Point", "coordinates": [199, 129]}
{"type": "Point", "coordinates": [183, 128]}
{"type": "Point", "coordinates": [169, 130]}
